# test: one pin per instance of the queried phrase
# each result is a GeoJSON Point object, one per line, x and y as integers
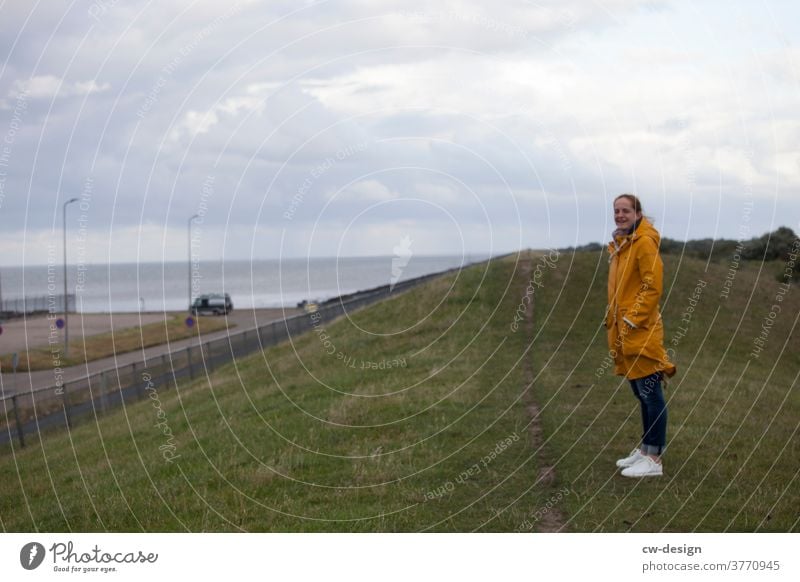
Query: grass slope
{"type": "Point", "coordinates": [431, 432]}
{"type": "Point", "coordinates": [298, 439]}
{"type": "Point", "coordinates": [731, 463]}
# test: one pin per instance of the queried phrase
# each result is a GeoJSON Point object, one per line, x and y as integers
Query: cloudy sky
{"type": "Point", "coordinates": [341, 127]}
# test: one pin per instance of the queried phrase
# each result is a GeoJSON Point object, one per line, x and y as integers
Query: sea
{"type": "Point", "coordinates": [134, 287]}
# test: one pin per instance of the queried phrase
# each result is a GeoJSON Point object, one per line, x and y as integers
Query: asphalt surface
{"type": "Point", "coordinates": [34, 331]}
{"type": "Point", "coordinates": [21, 334]}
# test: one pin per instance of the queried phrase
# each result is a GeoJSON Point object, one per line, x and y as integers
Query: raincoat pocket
{"type": "Point", "coordinates": [635, 341]}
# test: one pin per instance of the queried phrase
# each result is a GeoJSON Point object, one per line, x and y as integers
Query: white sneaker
{"type": "Point", "coordinates": [644, 467]}
{"type": "Point", "coordinates": [631, 459]}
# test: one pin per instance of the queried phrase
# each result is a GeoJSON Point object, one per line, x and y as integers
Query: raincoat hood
{"type": "Point", "coordinates": [643, 229]}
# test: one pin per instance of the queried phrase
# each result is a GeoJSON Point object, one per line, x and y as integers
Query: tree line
{"type": "Point", "coordinates": [771, 246]}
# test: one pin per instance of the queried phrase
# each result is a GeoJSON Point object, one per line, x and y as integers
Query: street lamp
{"type": "Point", "coordinates": [66, 300]}
{"type": "Point", "coordinates": [189, 229]}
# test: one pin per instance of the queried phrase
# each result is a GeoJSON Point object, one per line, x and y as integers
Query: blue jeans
{"type": "Point", "coordinates": [654, 413]}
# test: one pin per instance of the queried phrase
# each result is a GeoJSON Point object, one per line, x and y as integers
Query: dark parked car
{"type": "Point", "coordinates": [212, 304]}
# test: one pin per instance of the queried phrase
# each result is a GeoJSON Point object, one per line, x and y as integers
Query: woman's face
{"type": "Point", "coordinates": [624, 214]}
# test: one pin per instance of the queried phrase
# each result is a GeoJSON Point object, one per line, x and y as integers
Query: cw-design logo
{"type": "Point", "coordinates": [31, 555]}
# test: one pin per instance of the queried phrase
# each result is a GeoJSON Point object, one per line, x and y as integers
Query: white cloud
{"type": "Point", "coordinates": [198, 122]}
{"type": "Point", "coordinates": [457, 83]}
{"type": "Point", "coordinates": [453, 100]}
{"type": "Point", "coordinates": [43, 86]}
{"type": "Point", "coordinates": [364, 191]}
{"type": "Point", "coordinates": [195, 122]}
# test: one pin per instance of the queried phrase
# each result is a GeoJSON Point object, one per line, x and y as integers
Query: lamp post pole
{"type": "Point", "coordinates": [189, 231]}
{"type": "Point", "coordinates": [66, 300]}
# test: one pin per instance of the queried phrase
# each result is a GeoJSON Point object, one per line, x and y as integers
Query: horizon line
{"type": "Point", "coordinates": [59, 264]}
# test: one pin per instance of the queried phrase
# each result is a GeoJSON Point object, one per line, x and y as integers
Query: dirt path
{"type": "Point", "coordinates": [551, 520]}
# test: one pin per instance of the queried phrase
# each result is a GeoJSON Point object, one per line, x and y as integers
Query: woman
{"type": "Point", "coordinates": [635, 331]}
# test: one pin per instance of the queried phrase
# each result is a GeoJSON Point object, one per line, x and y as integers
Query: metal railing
{"type": "Point", "coordinates": [49, 303]}
{"type": "Point", "coordinates": [28, 413]}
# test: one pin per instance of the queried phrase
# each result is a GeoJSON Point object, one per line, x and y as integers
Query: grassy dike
{"type": "Point", "coordinates": [732, 463]}
{"type": "Point", "coordinates": [416, 421]}
{"type": "Point", "coordinates": [413, 415]}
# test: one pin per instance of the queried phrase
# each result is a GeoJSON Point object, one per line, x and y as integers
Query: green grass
{"type": "Point", "coordinates": [104, 345]}
{"type": "Point", "coordinates": [731, 463]}
{"type": "Point", "coordinates": [293, 439]}
{"type": "Point", "coordinates": [296, 440]}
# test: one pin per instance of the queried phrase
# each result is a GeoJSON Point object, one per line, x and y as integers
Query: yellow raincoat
{"type": "Point", "coordinates": [633, 319]}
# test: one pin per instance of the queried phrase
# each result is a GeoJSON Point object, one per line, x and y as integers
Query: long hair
{"type": "Point", "coordinates": [634, 200]}
{"type": "Point", "coordinates": [637, 205]}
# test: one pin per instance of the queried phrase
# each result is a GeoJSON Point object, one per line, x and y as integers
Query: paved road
{"type": "Point", "coordinates": [242, 319]}
{"type": "Point", "coordinates": [34, 331]}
